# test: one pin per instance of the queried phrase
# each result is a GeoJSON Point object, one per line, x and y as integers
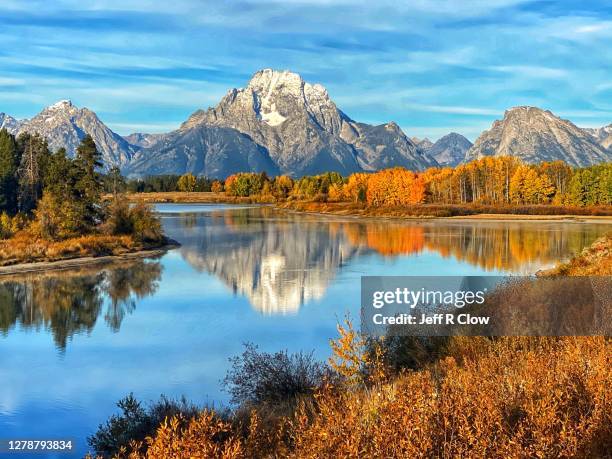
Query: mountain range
{"type": "Point", "coordinates": [449, 150]}
{"type": "Point", "coordinates": [280, 123]}
{"type": "Point", "coordinates": [536, 135]}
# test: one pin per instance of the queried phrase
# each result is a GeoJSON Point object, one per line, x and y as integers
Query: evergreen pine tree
{"type": "Point", "coordinates": [89, 183]}
{"type": "Point", "coordinates": [9, 163]}
{"type": "Point", "coordinates": [115, 183]}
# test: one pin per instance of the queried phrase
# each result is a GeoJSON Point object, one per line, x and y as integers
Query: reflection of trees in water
{"type": "Point", "coordinates": [513, 247]}
{"type": "Point", "coordinates": [280, 261]}
{"type": "Point", "coordinates": [70, 302]}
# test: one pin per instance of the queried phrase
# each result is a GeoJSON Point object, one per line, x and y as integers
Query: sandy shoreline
{"type": "Point", "coordinates": [70, 263]}
{"type": "Point", "coordinates": [459, 218]}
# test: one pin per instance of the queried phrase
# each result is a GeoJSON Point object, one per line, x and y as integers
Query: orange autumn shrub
{"type": "Point", "coordinates": [510, 397]}
{"type": "Point", "coordinates": [206, 437]}
{"type": "Point", "coordinates": [518, 397]}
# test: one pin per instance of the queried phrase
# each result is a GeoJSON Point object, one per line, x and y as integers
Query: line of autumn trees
{"type": "Point", "coordinates": [50, 196]}
{"type": "Point", "coordinates": [491, 180]}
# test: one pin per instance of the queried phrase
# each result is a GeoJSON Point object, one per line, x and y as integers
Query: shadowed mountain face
{"type": "Point", "coordinates": [536, 135]}
{"type": "Point", "coordinates": [299, 127]}
{"type": "Point", "coordinates": [208, 150]}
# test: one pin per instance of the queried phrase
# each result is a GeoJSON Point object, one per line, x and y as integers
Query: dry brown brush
{"type": "Point", "coordinates": [476, 397]}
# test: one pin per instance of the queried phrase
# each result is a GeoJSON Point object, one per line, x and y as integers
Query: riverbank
{"type": "Point", "coordinates": [25, 254]}
{"type": "Point", "coordinates": [196, 197]}
{"type": "Point", "coordinates": [595, 260]}
{"type": "Point", "coordinates": [420, 211]}
{"type": "Point", "coordinates": [454, 211]}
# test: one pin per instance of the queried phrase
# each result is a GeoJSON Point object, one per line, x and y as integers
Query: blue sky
{"type": "Point", "coordinates": [431, 66]}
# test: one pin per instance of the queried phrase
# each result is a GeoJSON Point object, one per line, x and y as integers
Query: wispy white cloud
{"type": "Point", "coordinates": [431, 65]}
{"type": "Point", "coordinates": [478, 111]}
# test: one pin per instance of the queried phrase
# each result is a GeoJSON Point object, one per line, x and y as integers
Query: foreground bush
{"type": "Point", "coordinates": [136, 422]}
{"type": "Point", "coordinates": [471, 397]}
{"type": "Point", "coordinates": [512, 397]}
{"type": "Point", "coordinates": [257, 378]}
{"type": "Point", "coordinates": [137, 220]}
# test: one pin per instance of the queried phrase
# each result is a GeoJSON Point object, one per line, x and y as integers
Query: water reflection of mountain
{"type": "Point", "coordinates": [279, 261]}
{"type": "Point", "coordinates": [70, 302]}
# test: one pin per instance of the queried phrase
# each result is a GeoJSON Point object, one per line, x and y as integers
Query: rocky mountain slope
{"type": "Point", "coordinates": [280, 123]}
{"type": "Point", "coordinates": [138, 139]}
{"type": "Point", "coordinates": [9, 123]}
{"type": "Point", "coordinates": [213, 151]}
{"type": "Point", "coordinates": [449, 150]}
{"type": "Point", "coordinates": [64, 125]}
{"type": "Point", "coordinates": [602, 134]}
{"type": "Point", "coordinates": [536, 135]}
{"type": "Point", "coordinates": [424, 144]}
{"type": "Point", "coordinates": [301, 128]}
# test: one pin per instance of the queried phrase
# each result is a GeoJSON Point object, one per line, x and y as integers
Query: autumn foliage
{"type": "Point", "coordinates": [395, 187]}
{"type": "Point", "coordinates": [512, 397]}
{"type": "Point", "coordinates": [494, 181]}
{"type": "Point", "coordinates": [472, 397]}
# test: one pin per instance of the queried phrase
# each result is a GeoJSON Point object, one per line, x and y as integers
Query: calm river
{"type": "Point", "coordinates": [73, 343]}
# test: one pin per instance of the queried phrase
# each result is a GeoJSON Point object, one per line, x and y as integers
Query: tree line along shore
{"type": "Point", "coordinates": [51, 206]}
{"type": "Point", "coordinates": [54, 207]}
{"type": "Point", "coordinates": [491, 185]}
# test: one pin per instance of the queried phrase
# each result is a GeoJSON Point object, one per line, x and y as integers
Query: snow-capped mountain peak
{"type": "Point", "coordinates": [9, 123]}
{"type": "Point", "coordinates": [301, 128]}
{"type": "Point", "coordinates": [61, 105]}
{"type": "Point", "coordinates": [64, 125]}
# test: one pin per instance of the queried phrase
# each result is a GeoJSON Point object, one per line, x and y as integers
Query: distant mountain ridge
{"type": "Point", "coordinates": [449, 150]}
{"type": "Point", "coordinates": [280, 123]}
{"type": "Point", "coordinates": [141, 140]}
{"type": "Point", "coordinates": [535, 135]}
{"type": "Point", "coordinates": [9, 123]}
{"type": "Point", "coordinates": [64, 125]}
{"type": "Point", "coordinates": [602, 134]}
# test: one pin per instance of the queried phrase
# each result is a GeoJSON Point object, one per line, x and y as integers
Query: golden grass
{"type": "Point", "coordinates": [510, 397]}
{"type": "Point", "coordinates": [443, 210]}
{"type": "Point", "coordinates": [25, 248]}
{"type": "Point", "coordinates": [595, 260]}
{"type": "Point", "coordinates": [196, 197]}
